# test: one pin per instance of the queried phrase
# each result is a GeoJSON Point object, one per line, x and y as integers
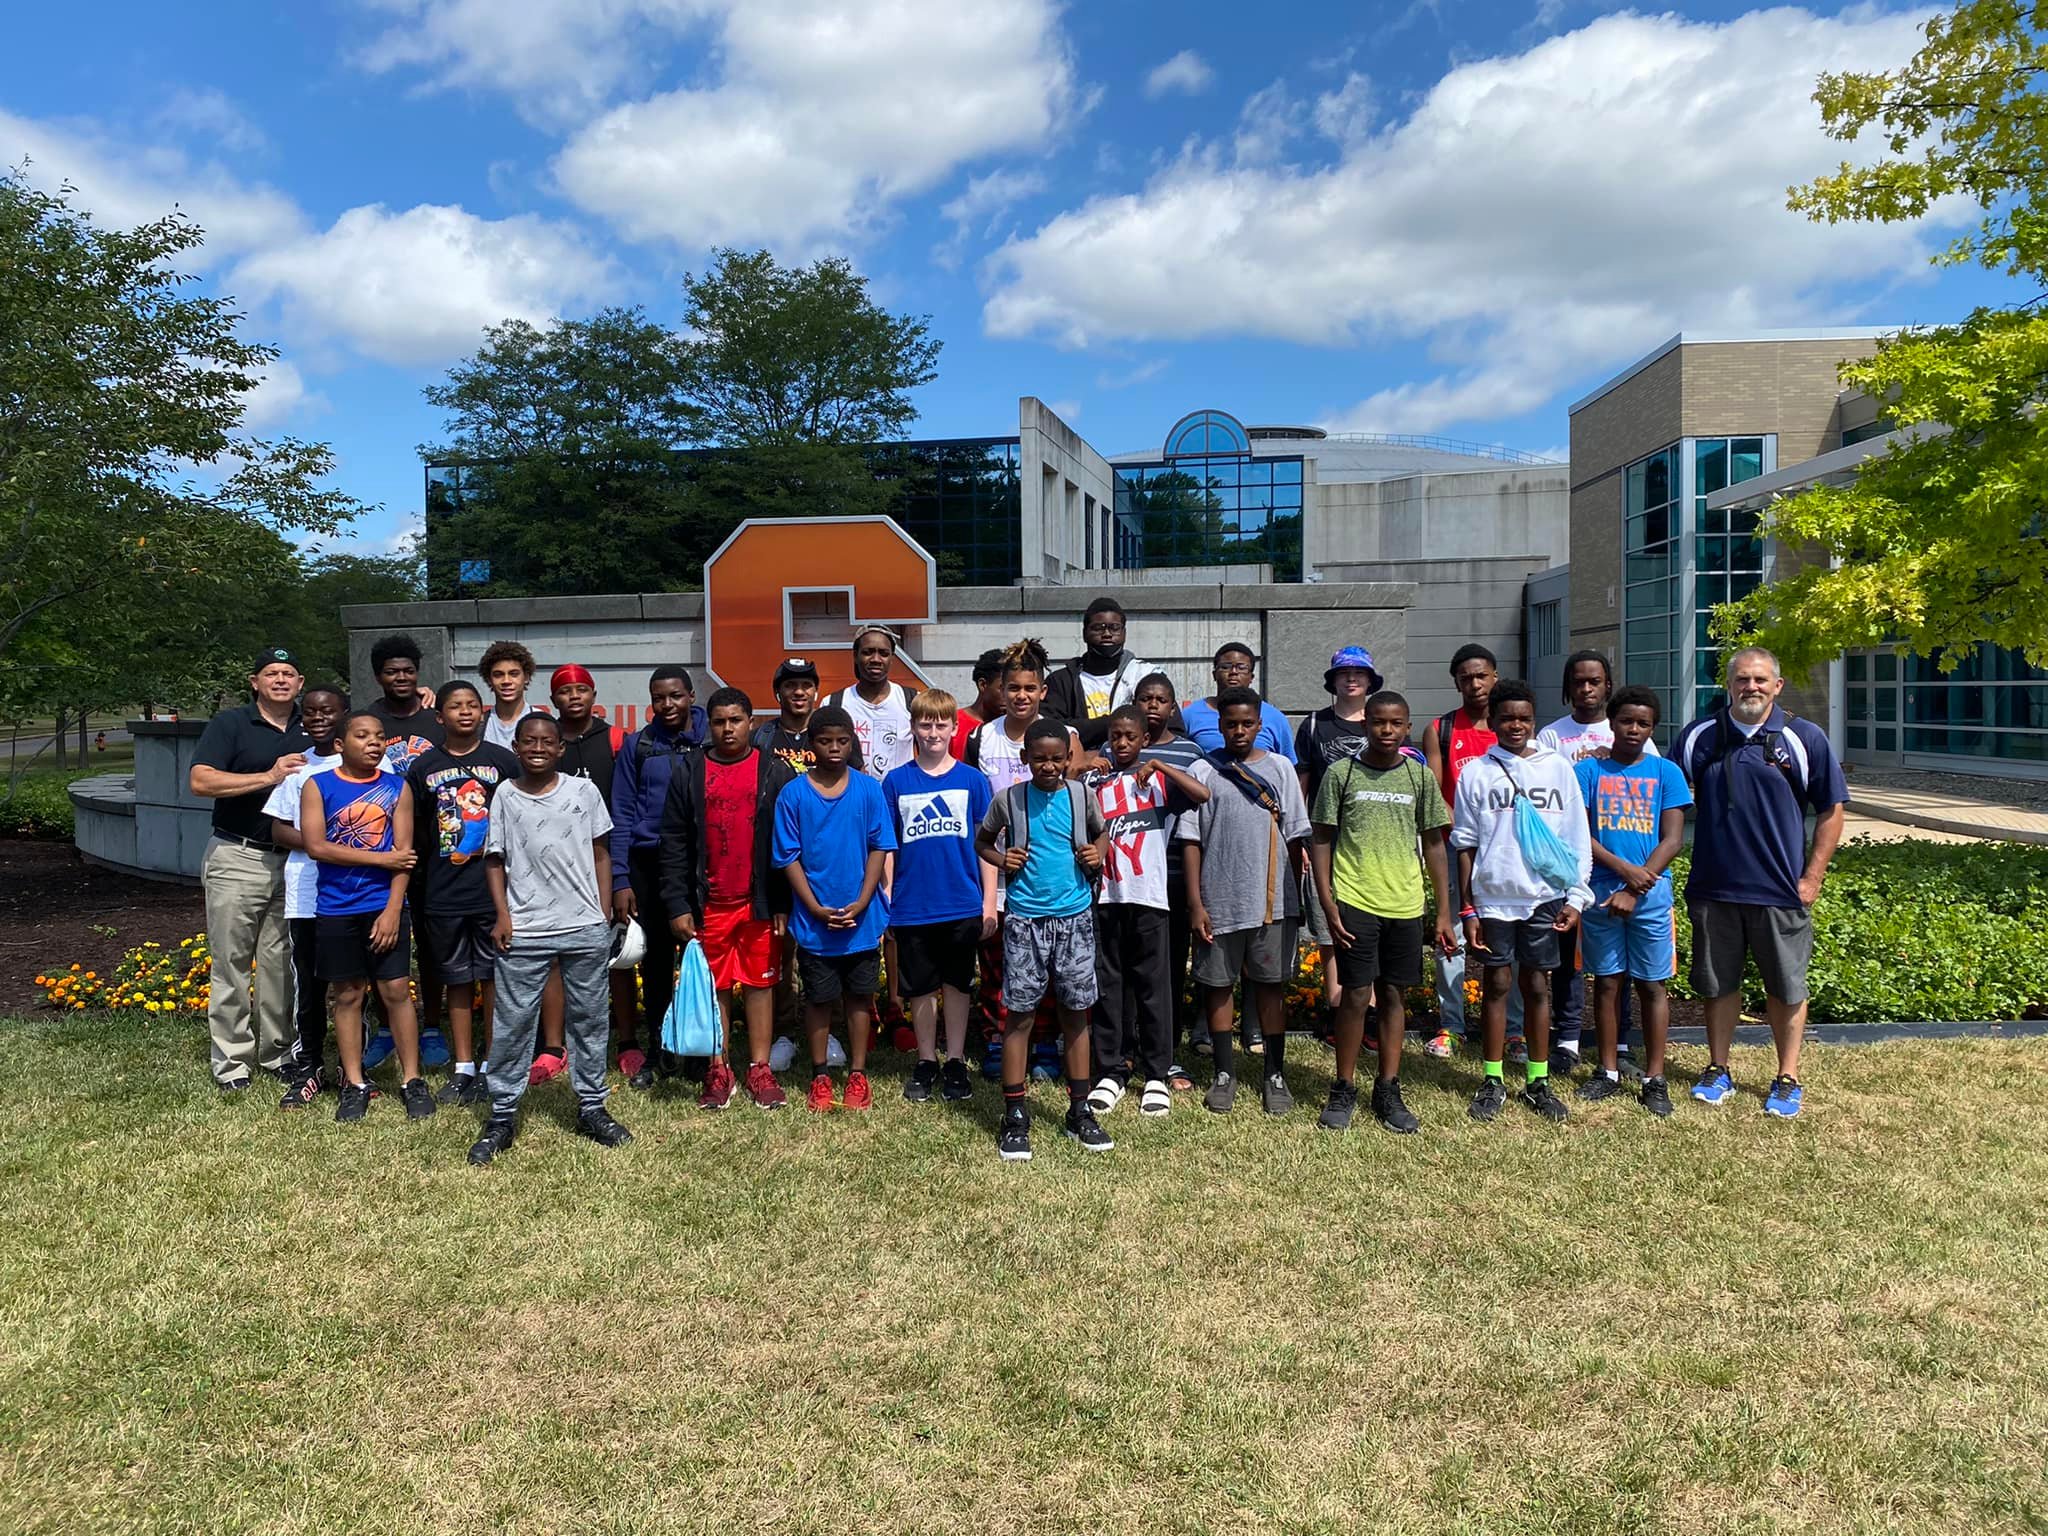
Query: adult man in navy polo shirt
{"type": "Point", "coordinates": [1756, 773]}
{"type": "Point", "coordinates": [243, 754]}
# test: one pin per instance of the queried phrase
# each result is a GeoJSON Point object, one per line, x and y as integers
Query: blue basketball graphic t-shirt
{"type": "Point", "coordinates": [358, 815]}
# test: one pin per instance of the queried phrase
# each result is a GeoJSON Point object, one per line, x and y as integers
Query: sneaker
{"type": "Point", "coordinates": [418, 1098]}
{"type": "Point", "coordinates": [1655, 1097]}
{"type": "Point", "coordinates": [1564, 1060]}
{"type": "Point", "coordinates": [496, 1138]}
{"type": "Point", "coordinates": [642, 1081]}
{"type": "Point", "coordinates": [378, 1051]}
{"type": "Point", "coordinates": [1542, 1098]}
{"type": "Point", "coordinates": [1438, 1045]}
{"type": "Point", "coordinates": [1105, 1096]}
{"type": "Point", "coordinates": [434, 1048]}
{"type": "Point", "coordinates": [355, 1103]}
{"type": "Point", "coordinates": [1156, 1099]}
{"type": "Point", "coordinates": [719, 1084]}
{"type": "Point", "coordinates": [1518, 1051]}
{"type": "Point", "coordinates": [858, 1094]}
{"type": "Point", "coordinates": [1222, 1094]}
{"type": "Point", "coordinates": [597, 1125]}
{"type": "Point", "coordinates": [1045, 1062]}
{"type": "Point", "coordinates": [782, 1054]}
{"type": "Point", "coordinates": [237, 1085]}
{"type": "Point", "coordinates": [955, 1086]}
{"type": "Point", "coordinates": [1713, 1085]}
{"type": "Point", "coordinates": [763, 1089]}
{"type": "Point", "coordinates": [821, 1092]}
{"type": "Point", "coordinates": [917, 1088]}
{"type": "Point", "coordinates": [459, 1088]}
{"type": "Point", "coordinates": [1631, 1069]}
{"type": "Point", "coordinates": [1391, 1110]}
{"type": "Point", "coordinates": [1274, 1097]}
{"type": "Point", "coordinates": [1342, 1104]}
{"type": "Point", "coordinates": [1082, 1126]}
{"type": "Point", "coordinates": [835, 1053]}
{"type": "Point", "coordinates": [992, 1058]}
{"type": "Point", "coordinates": [1597, 1087]}
{"type": "Point", "coordinates": [1784, 1098]}
{"type": "Point", "coordinates": [632, 1061]}
{"type": "Point", "coordinates": [547, 1065]}
{"type": "Point", "coordinates": [1488, 1102]}
{"type": "Point", "coordinates": [1013, 1141]}
{"type": "Point", "coordinates": [302, 1090]}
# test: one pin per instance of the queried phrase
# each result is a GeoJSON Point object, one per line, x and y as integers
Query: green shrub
{"type": "Point", "coordinates": [1911, 931]}
{"type": "Point", "coordinates": [39, 807]}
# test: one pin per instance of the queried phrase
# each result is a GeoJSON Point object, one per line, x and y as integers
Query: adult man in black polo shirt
{"type": "Point", "coordinates": [243, 754]}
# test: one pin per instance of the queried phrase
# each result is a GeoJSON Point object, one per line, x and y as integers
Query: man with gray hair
{"type": "Point", "coordinates": [1756, 774]}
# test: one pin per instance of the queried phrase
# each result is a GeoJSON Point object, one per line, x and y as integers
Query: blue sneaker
{"type": "Point", "coordinates": [992, 1058]}
{"type": "Point", "coordinates": [1783, 1099]}
{"type": "Point", "coordinates": [1045, 1062]}
{"type": "Point", "coordinates": [1714, 1085]}
{"type": "Point", "coordinates": [378, 1051]}
{"type": "Point", "coordinates": [433, 1048]}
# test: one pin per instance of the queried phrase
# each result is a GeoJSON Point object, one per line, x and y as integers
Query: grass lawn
{"type": "Point", "coordinates": [218, 1318]}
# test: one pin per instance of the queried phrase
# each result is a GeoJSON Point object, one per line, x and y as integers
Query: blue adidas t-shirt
{"type": "Point", "coordinates": [1749, 836]}
{"type": "Point", "coordinates": [360, 816]}
{"type": "Point", "coordinates": [832, 836]}
{"type": "Point", "coordinates": [1627, 804]}
{"type": "Point", "coordinates": [938, 877]}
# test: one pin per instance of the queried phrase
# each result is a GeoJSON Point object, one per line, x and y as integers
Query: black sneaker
{"type": "Point", "coordinates": [1343, 1103]}
{"type": "Point", "coordinates": [1542, 1098]}
{"type": "Point", "coordinates": [459, 1089]}
{"type": "Point", "coordinates": [1631, 1069]}
{"type": "Point", "coordinates": [1222, 1094]}
{"type": "Point", "coordinates": [1655, 1097]}
{"type": "Point", "coordinates": [1013, 1141]}
{"type": "Point", "coordinates": [418, 1100]}
{"type": "Point", "coordinates": [1597, 1087]}
{"type": "Point", "coordinates": [496, 1138]}
{"type": "Point", "coordinates": [1564, 1061]}
{"type": "Point", "coordinates": [954, 1083]}
{"type": "Point", "coordinates": [599, 1126]}
{"type": "Point", "coordinates": [355, 1103]}
{"type": "Point", "coordinates": [302, 1090]}
{"type": "Point", "coordinates": [1391, 1110]}
{"type": "Point", "coordinates": [1488, 1102]}
{"type": "Point", "coordinates": [1274, 1096]}
{"type": "Point", "coordinates": [1083, 1127]}
{"type": "Point", "coordinates": [923, 1077]}
{"type": "Point", "coordinates": [239, 1085]}
{"type": "Point", "coordinates": [643, 1080]}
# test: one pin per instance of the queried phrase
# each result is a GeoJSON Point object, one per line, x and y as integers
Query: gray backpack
{"type": "Point", "coordinates": [1017, 809]}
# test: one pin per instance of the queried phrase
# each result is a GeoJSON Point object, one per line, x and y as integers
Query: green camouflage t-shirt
{"type": "Point", "coordinates": [1378, 814]}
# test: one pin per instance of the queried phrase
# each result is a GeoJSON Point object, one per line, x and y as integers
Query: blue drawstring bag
{"type": "Point", "coordinates": [694, 1026]}
{"type": "Point", "coordinates": [1547, 854]}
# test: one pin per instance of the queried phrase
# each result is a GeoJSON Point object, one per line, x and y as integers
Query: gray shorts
{"type": "Point", "coordinates": [1047, 954]}
{"type": "Point", "coordinates": [1257, 954]}
{"type": "Point", "coordinates": [1781, 939]}
{"type": "Point", "coordinates": [1312, 916]}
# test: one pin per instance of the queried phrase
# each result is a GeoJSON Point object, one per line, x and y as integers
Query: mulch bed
{"type": "Point", "coordinates": [56, 908]}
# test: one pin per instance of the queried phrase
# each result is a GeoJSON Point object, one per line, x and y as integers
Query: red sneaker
{"type": "Point", "coordinates": [821, 1092]}
{"type": "Point", "coordinates": [718, 1086]}
{"type": "Point", "coordinates": [766, 1092]}
{"type": "Point", "coordinates": [857, 1094]}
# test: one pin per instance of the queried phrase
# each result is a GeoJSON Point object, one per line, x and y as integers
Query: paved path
{"type": "Point", "coordinates": [1939, 810]}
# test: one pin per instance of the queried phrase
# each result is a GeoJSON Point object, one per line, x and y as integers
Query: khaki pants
{"type": "Point", "coordinates": [245, 929]}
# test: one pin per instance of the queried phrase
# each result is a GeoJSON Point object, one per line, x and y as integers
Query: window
{"type": "Point", "coordinates": [1727, 554]}
{"type": "Point", "coordinates": [1991, 706]}
{"type": "Point", "coordinates": [1200, 433]}
{"type": "Point", "coordinates": [1652, 517]}
{"type": "Point", "coordinates": [1547, 629]}
{"type": "Point", "coordinates": [473, 573]}
{"type": "Point", "coordinates": [1210, 510]}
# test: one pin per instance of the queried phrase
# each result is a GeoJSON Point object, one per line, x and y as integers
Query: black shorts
{"type": "Point", "coordinates": [460, 943]}
{"type": "Point", "coordinates": [341, 949]}
{"type": "Point", "coordinates": [934, 955]}
{"type": "Point", "coordinates": [1387, 949]}
{"type": "Point", "coordinates": [827, 978]}
{"type": "Point", "coordinates": [1529, 941]}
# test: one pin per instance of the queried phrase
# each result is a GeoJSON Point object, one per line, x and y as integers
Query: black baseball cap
{"type": "Point", "coordinates": [274, 655]}
{"type": "Point", "coordinates": [795, 667]}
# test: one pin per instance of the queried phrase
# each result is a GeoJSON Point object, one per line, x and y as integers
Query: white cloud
{"type": "Point", "coordinates": [208, 116]}
{"type": "Point", "coordinates": [1269, 121]}
{"type": "Point", "coordinates": [818, 120]}
{"type": "Point", "coordinates": [981, 206]}
{"type": "Point", "coordinates": [419, 286]}
{"type": "Point", "coordinates": [280, 394]}
{"type": "Point", "coordinates": [1536, 215]}
{"type": "Point", "coordinates": [1140, 374]}
{"type": "Point", "coordinates": [1344, 116]}
{"type": "Point", "coordinates": [1068, 410]}
{"type": "Point", "coordinates": [1184, 72]}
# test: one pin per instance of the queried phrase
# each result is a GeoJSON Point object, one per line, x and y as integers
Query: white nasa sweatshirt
{"type": "Point", "coordinates": [1503, 885]}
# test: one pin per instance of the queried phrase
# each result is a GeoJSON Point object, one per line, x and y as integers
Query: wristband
{"type": "Point", "coordinates": [1467, 912]}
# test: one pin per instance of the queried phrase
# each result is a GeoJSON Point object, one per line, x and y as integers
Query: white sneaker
{"type": "Point", "coordinates": [835, 1053]}
{"type": "Point", "coordinates": [1157, 1098]}
{"type": "Point", "coordinates": [1105, 1096]}
{"type": "Point", "coordinates": [781, 1054]}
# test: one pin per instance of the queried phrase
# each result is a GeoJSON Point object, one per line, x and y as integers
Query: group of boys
{"type": "Point", "coordinates": [1068, 862]}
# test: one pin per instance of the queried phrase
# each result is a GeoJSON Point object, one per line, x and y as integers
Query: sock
{"type": "Point", "coordinates": [1568, 1043]}
{"type": "Point", "coordinates": [1493, 1070]}
{"type": "Point", "coordinates": [1612, 1077]}
{"type": "Point", "coordinates": [465, 1069]}
{"type": "Point", "coordinates": [1077, 1093]}
{"type": "Point", "coordinates": [1276, 1052]}
{"type": "Point", "coordinates": [555, 1050]}
{"type": "Point", "coordinates": [1225, 1049]}
{"type": "Point", "coordinates": [1013, 1096]}
{"type": "Point", "coordinates": [1344, 1082]}
{"type": "Point", "coordinates": [1538, 1070]}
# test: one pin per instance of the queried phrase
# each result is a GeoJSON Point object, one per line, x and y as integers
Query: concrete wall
{"type": "Point", "coordinates": [150, 823]}
{"type": "Point", "coordinates": [1294, 628]}
{"type": "Point", "coordinates": [1468, 515]}
{"type": "Point", "coordinates": [1068, 493]}
{"type": "Point", "coordinates": [1456, 602]}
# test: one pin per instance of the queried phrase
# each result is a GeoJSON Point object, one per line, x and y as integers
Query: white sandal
{"type": "Point", "coordinates": [1157, 1098]}
{"type": "Point", "coordinates": [1105, 1095]}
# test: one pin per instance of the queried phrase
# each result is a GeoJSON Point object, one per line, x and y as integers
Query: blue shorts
{"type": "Point", "coordinates": [1639, 945]}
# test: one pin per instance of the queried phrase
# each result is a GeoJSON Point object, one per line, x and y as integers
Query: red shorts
{"type": "Point", "coordinates": [741, 948]}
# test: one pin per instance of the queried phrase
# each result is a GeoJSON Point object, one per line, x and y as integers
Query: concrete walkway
{"type": "Point", "coordinates": [1940, 810]}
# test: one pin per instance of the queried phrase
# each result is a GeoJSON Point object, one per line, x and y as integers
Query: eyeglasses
{"type": "Point", "coordinates": [1233, 667]}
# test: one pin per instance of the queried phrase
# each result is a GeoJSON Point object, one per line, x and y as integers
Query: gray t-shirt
{"type": "Point", "coordinates": [1239, 848]}
{"type": "Point", "coordinates": [545, 841]}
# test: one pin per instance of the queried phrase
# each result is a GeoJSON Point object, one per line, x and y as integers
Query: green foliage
{"type": "Point", "coordinates": [1913, 931]}
{"type": "Point", "coordinates": [36, 807]}
{"type": "Point", "coordinates": [1936, 545]}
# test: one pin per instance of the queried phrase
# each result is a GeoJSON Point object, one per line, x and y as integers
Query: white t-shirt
{"type": "Point", "coordinates": [883, 729]}
{"type": "Point", "coordinates": [301, 875]}
{"type": "Point", "coordinates": [499, 732]}
{"type": "Point", "coordinates": [1575, 741]}
{"type": "Point", "coordinates": [1141, 820]}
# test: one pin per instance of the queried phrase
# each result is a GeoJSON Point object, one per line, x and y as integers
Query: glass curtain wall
{"type": "Point", "coordinates": [1993, 707]}
{"type": "Point", "coordinates": [1207, 501]}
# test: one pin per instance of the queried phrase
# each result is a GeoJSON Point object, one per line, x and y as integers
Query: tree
{"type": "Point", "coordinates": [1937, 545]}
{"type": "Point", "coordinates": [136, 516]}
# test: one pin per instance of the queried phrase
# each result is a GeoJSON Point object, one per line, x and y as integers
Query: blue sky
{"type": "Point", "coordinates": [1417, 216]}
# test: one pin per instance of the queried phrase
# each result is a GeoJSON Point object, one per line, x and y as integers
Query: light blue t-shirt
{"type": "Point", "coordinates": [1052, 882]}
{"type": "Point", "coordinates": [1275, 735]}
{"type": "Point", "coordinates": [1627, 806]}
{"type": "Point", "coordinates": [938, 876]}
{"type": "Point", "coordinates": [832, 837]}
